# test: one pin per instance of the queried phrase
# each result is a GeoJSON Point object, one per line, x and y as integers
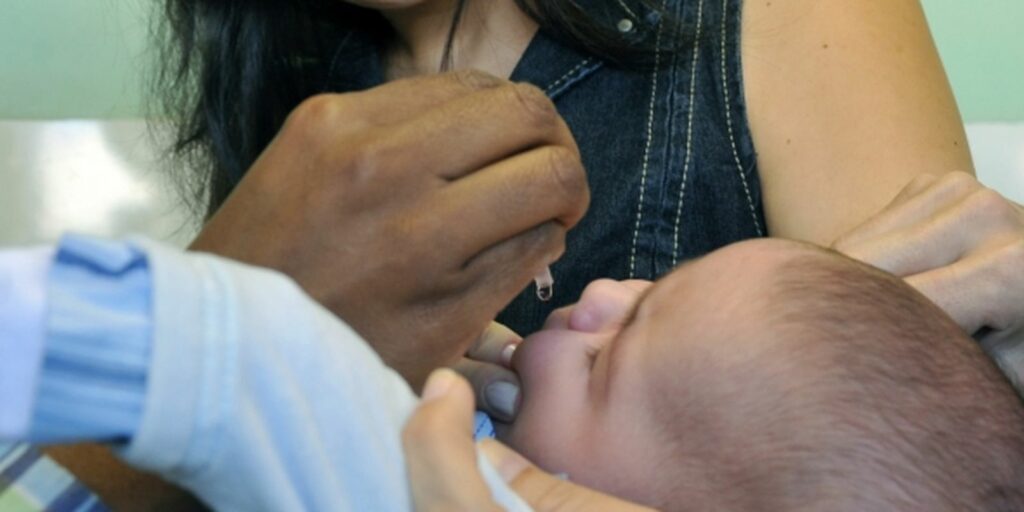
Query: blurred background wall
{"type": "Point", "coordinates": [63, 59]}
{"type": "Point", "coordinates": [86, 60]}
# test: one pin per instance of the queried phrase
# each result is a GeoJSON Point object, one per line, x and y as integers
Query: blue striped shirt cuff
{"type": "Point", "coordinates": [97, 350]}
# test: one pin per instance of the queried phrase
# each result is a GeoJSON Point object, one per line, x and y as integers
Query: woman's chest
{"type": "Point", "coordinates": [671, 175]}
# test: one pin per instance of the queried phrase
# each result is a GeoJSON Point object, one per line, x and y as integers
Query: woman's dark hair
{"type": "Point", "coordinates": [230, 72]}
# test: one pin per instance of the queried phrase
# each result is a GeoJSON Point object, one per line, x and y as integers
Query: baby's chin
{"type": "Point", "coordinates": [541, 443]}
{"type": "Point", "coordinates": [614, 467]}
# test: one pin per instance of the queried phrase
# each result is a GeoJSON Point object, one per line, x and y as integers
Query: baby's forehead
{"type": "Point", "coordinates": [761, 256]}
{"type": "Point", "coordinates": [729, 275]}
{"type": "Point", "coordinates": [723, 310]}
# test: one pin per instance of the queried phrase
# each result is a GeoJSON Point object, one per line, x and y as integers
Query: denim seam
{"type": "Point", "coordinates": [566, 76]}
{"type": "Point", "coordinates": [728, 121]}
{"type": "Point", "coordinates": [628, 10]}
{"type": "Point", "coordinates": [689, 132]}
{"type": "Point", "coordinates": [647, 145]}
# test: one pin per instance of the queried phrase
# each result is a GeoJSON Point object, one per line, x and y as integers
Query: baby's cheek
{"type": "Point", "coordinates": [552, 441]}
{"type": "Point", "coordinates": [588, 453]}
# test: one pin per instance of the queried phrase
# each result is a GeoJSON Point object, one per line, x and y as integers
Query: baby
{"type": "Point", "coordinates": [769, 375]}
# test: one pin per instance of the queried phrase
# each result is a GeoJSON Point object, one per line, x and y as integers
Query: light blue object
{"type": "Point", "coordinates": [256, 411]}
{"type": "Point", "coordinates": [252, 395]}
{"type": "Point", "coordinates": [483, 427]}
{"type": "Point", "coordinates": [22, 306]}
{"type": "Point", "coordinates": [92, 383]}
{"type": "Point", "coordinates": [29, 481]}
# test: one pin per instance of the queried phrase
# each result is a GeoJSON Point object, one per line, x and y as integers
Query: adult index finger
{"type": "Point", "coordinates": [922, 198]}
{"type": "Point", "coordinates": [495, 345]}
{"type": "Point", "coordinates": [440, 455]}
{"type": "Point", "coordinates": [512, 197]}
{"type": "Point", "coordinates": [545, 492]}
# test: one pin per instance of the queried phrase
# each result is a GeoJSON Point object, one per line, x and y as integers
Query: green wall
{"type": "Point", "coordinates": [86, 58]}
{"type": "Point", "coordinates": [72, 58]}
{"type": "Point", "coordinates": [982, 46]}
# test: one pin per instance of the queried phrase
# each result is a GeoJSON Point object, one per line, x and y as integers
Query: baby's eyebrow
{"type": "Point", "coordinates": [636, 306]}
{"type": "Point", "coordinates": [631, 317]}
{"type": "Point", "coordinates": [644, 294]}
{"type": "Point", "coordinates": [613, 349]}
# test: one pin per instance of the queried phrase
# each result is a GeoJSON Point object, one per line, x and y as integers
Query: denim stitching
{"type": "Point", "coordinates": [566, 76]}
{"type": "Point", "coordinates": [647, 146]}
{"type": "Point", "coordinates": [628, 10]}
{"type": "Point", "coordinates": [728, 121]}
{"type": "Point", "coordinates": [689, 132]}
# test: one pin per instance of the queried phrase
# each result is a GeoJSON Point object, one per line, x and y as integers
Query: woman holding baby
{"type": "Point", "coordinates": [418, 207]}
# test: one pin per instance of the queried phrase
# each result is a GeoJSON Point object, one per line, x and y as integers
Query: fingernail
{"type": "Point", "coordinates": [439, 382]}
{"type": "Point", "coordinates": [507, 353]}
{"type": "Point", "coordinates": [502, 397]}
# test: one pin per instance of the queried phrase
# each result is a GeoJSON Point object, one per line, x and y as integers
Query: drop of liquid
{"type": "Point", "coordinates": [545, 283]}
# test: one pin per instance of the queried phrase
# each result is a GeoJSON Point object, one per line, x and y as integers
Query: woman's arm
{"type": "Point", "coordinates": [961, 245]}
{"type": "Point", "coordinates": [847, 101]}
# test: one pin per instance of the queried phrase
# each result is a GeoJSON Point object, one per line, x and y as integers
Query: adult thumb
{"type": "Point", "coordinates": [545, 492]}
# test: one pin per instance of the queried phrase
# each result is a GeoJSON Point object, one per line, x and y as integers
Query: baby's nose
{"type": "Point", "coordinates": [604, 304]}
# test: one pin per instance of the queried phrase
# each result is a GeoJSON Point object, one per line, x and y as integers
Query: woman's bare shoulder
{"type": "Point", "coordinates": [847, 101]}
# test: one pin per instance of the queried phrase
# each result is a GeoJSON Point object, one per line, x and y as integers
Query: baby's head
{"type": "Point", "coordinates": [770, 376]}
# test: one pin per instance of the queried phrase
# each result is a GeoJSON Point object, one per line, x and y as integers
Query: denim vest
{"type": "Point", "coordinates": [668, 151]}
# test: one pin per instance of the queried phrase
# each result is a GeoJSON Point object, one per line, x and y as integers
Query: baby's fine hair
{"type": "Point", "coordinates": [866, 396]}
{"type": "Point", "coordinates": [936, 424]}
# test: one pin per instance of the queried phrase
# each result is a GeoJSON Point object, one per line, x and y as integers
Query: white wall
{"type": "Point", "coordinates": [998, 150]}
{"type": "Point", "coordinates": [99, 178]}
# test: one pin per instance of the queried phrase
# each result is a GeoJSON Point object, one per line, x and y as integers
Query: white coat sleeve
{"type": "Point", "coordinates": [260, 399]}
{"type": "Point", "coordinates": [23, 275]}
